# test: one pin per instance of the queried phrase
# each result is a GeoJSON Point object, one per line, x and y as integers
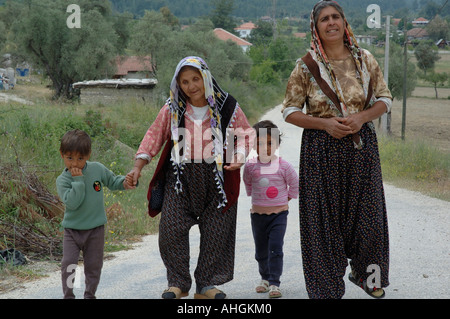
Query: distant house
{"type": "Point", "coordinates": [245, 29]}
{"type": "Point", "coordinates": [133, 67]}
{"type": "Point", "coordinates": [420, 22]}
{"type": "Point", "coordinates": [417, 34]}
{"type": "Point", "coordinates": [366, 39]}
{"type": "Point", "coordinates": [224, 35]}
{"type": "Point", "coordinates": [301, 35]}
{"type": "Point", "coordinates": [442, 44]}
{"type": "Point", "coordinates": [396, 21]}
{"type": "Point", "coordinates": [115, 90]}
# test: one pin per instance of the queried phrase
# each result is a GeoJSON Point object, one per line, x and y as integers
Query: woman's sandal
{"type": "Point", "coordinates": [212, 293]}
{"type": "Point", "coordinates": [174, 293]}
{"type": "Point", "coordinates": [262, 287]}
{"type": "Point", "coordinates": [274, 292]}
{"type": "Point", "coordinates": [373, 292]}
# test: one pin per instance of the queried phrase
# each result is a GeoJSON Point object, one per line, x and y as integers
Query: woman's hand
{"type": "Point", "coordinates": [237, 162]}
{"type": "Point", "coordinates": [355, 122]}
{"type": "Point", "coordinates": [128, 182]}
{"type": "Point", "coordinates": [337, 127]}
{"type": "Point", "coordinates": [135, 173]}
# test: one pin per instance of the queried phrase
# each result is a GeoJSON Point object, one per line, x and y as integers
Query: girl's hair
{"type": "Point", "coordinates": [267, 128]}
{"type": "Point", "coordinates": [76, 141]}
{"type": "Point", "coordinates": [323, 4]}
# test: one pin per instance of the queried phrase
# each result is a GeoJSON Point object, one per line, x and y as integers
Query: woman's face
{"type": "Point", "coordinates": [330, 25]}
{"type": "Point", "coordinates": [191, 82]}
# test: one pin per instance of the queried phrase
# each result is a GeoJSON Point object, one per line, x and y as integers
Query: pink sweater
{"type": "Point", "coordinates": [270, 184]}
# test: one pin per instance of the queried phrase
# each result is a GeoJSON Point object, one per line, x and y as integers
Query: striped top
{"type": "Point", "coordinates": [270, 185]}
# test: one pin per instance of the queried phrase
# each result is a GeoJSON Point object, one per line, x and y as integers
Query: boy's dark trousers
{"type": "Point", "coordinates": [268, 233]}
{"type": "Point", "coordinates": [91, 243]}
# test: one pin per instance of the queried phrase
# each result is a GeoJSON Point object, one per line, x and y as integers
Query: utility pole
{"type": "Point", "coordinates": [405, 64]}
{"type": "Point", "coordinates": [274, 18]}
{"type": "Point", "coordinates": [386, 117]}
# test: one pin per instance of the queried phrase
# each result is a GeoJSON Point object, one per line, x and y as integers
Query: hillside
{"type": "Point", "coordinates": [254, 9]}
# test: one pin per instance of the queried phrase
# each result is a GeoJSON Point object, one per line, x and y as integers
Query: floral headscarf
{"type": "Point", "coordinates": [350, 42]}
{"type": "Point", "coordinates": [216, 98]}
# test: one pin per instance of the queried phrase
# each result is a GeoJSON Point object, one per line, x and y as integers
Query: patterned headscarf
{"type": "Point", "coordinates": [349, 41]}
{"type": "Point", "coordinates": [215, 98]}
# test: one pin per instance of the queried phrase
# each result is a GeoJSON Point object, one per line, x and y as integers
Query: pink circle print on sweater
{"type": "Point", "coordinates": [272, 192]}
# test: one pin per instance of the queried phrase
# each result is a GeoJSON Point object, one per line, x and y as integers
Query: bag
{"type": "Point", "coordinates": [157, 195]}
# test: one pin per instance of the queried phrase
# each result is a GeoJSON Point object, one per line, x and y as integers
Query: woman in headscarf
{"type": "Point", "coordinates": [341, 201]}
{"type": "Point", "coordinates": [199, 168]}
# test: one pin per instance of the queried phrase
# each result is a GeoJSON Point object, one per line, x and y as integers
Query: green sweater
{"type": "Point", "coordinates": [83, 195]}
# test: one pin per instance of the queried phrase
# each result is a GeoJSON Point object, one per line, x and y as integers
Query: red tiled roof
{"type": "Point", "coordinates": [246, 26]}
{"type": "Point", "coordinates": [225, 35]}
{"type": "Point", "coordinates": [300, 35]}
{"type": "Point", "coordinates": [417, 33]}
{"type": "Point", "coordinates": [132, 64]}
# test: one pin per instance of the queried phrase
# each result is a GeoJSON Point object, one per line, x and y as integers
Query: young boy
{"type": "Point", "coordinates": [80, 187]}
{"type": "Point", "coordinates": [271, 182]}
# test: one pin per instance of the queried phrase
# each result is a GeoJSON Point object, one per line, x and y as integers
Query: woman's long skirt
{"type": "Point", "coordinates": [342, 212]}
{"type": "Point", "coordinates": [196, 204]}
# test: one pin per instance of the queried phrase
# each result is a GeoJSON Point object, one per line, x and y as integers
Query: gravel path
{"type": "Point", "coordinates": [419, 228]}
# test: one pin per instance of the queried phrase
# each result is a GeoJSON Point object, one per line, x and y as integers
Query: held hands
{"type": "Point", "coordinates": [132, 177]}
{"type": "Point", "coordinates": [128, 182]}
{"type": "Point", "coordinates": [238, 161]}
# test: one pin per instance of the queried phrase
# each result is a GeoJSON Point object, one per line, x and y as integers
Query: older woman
{"type": "Point", "coordinates": [200, 164]}
{"type": "Point", "coordinates": [341, 202]}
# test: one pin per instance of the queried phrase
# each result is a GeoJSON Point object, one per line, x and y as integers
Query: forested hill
{"type": "Point", "coordinates": [254, 9]}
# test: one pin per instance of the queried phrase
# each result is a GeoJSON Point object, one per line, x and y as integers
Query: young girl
{"type": "Point", "coordinates": [271, 182]}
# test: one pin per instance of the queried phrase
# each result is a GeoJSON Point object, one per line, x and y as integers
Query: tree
{"type": "Point", "coordinates": [438, 28]}
{"type": "Point", "coordinates": [151, 36]}
{"type": "Point", "coordinates": [221, 14]}
{"type": "Point", "coordinates": [169, 18]}
{"type": "Point", "coordinates": [262, 34]}
{"type": "Point", "coordinates": [436, 79]}
{"type": "Point", "coordinates": [67, 55]}
{"type": "Point", "coordinates": [395, 83]}
{"type": "Point", "coordinates": [426, 56]}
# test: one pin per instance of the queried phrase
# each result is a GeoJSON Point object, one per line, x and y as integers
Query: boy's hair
{"type": "Point", "coordinates": [269, 128]}
{"type": "Point", "coordinates": [76, 141]}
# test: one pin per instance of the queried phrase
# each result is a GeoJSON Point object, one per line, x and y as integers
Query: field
{"type": "Point", "coordinates": [427, 118]}
{"type": "Point", "coordinates": [422, 161]}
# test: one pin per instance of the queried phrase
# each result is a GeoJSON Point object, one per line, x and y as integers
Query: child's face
{"type": "Point", "coordinates": [75, 160]}
{"type": "Point", "coordinates": [266, 145]}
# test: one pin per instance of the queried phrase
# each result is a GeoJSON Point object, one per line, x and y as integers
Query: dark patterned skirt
{"type": "Point", "coordinates": [342, 212]}
{"type": "Point", "coordinates": [196, 204]}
